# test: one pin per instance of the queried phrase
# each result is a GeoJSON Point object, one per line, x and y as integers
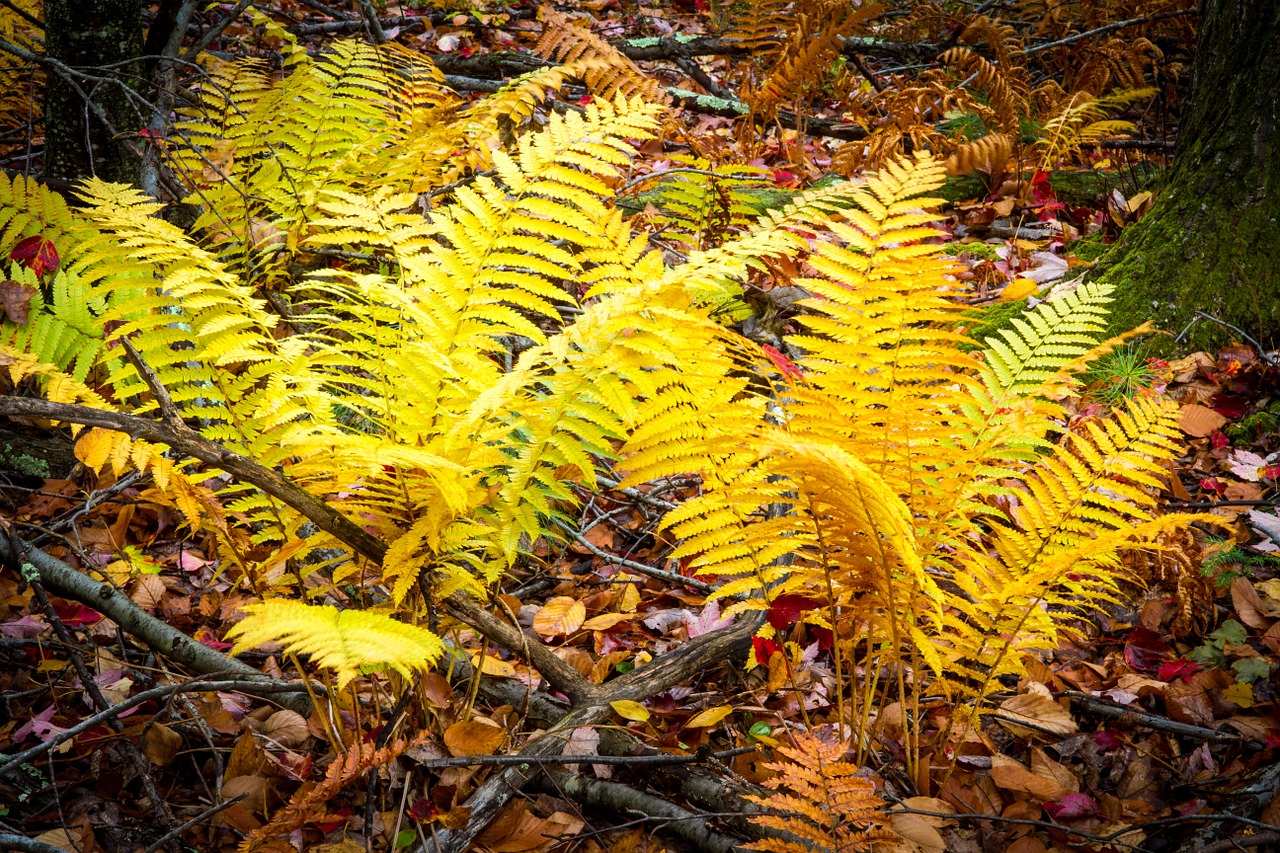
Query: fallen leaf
{"type": "Point", "coordinates": [1039, 711]}
{"type": "Point", "coordinates": [161, 744]}
{"type": "Point", "coordinates": [629, 710]}
{"type": "Point", "coordinates": [474, 737]}
{"type": "Point", "coordinates": [1198, 421]}
{"type": "Point", "coordinates": [287, 728]}
{"type": "Point", "coordinates": [559, 617]}
{"type": "Point", "coordinates": [709, 717]}
{"type": "Point", "coordinates": [15, 301]}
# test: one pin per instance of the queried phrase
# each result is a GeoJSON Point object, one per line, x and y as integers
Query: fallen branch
{"type": "Point", "coordinates": [159, 636]}
{"type": "Point", "coordinates": [689, 827]}
{"type": "Point", "coordinates": [1094, 705]}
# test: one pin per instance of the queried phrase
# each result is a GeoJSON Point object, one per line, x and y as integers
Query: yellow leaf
{"type": "Point", "coordinates": [1019, 288]}
{"type": "Point", "coordinates": [493, 666]}
{"type": "Point", "coordinates": [560, 617]}
{"type": "Point", "coordinates": [94, 448]}
{"type": "Point", "coordinates": [1240, 694]}
{"type": "Point", "coordinates": [709, 717]}
{"type": "Point", "coordinates": [629, 710]}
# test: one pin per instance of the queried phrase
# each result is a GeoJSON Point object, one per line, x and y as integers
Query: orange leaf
{"type": "Point", "coordinates": [561, 616]}
{"type": "Point", "coordinates": [473, 737]}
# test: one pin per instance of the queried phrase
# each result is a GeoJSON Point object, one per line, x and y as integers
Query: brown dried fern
{"type": "Point", "coordinates": [611, 74]}
{"type": "Point", "coordinates": [357, 761]}
{"type": "Point", "coordinates": [819, 803]}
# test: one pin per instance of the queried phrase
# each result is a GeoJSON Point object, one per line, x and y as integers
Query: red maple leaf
{"type": "Point", "coordinates": [37, 254]}
{"type": "Point", "coordinates": [786, 609]}
{"type": "Point", "coordinates": [786, 365]}
{"type": "Point", "coordinates": [764, 648]}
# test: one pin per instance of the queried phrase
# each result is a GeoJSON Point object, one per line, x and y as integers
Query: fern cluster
{"type": "Point", "coordinates": [458, 378]}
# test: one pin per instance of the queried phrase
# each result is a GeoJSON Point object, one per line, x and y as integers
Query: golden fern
{"type": "Point", "coordinates": [344, 641]}
{"type": "Point", "coordinates": [888, 449]}
{"type": "Point", "coordinates": [820, 802]}
{"type": "Point", "coordinates": [702, 207]}
{"type": "Point", "coordinates": [63, 326]}
{"type": "Point", "coordinates": [1082, 120]}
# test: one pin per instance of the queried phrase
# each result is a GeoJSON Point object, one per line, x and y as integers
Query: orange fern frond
{"type": "Point", "coordinates": [819, 803]}
{"type": "Point", "coordinates": [358, 760]}
{"type": "Point", "coordinates": [613, 74]}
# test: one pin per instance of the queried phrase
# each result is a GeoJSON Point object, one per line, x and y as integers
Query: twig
{"type": "Point", "coordinates": [200, 818]}
{"type": "Point", "coordinates": [202, 684]}
{"type": "Point", "coordinates": [372, 22]}
{"type": "Point", "coordinates": [651, 571]}
{"type": "Point", "coordinates": [1095, 705]}
{"type": "Point", "coordinates": [555, 670]}
{"type": "Point", "coordinates": [1109, 28]}
{"type": "Point", "coordinates": [1262, 353]}
{"type": "Point", "coordinates": [158, 635]}
{"type": "Point", "coordinates": [1240, 842]}
{"type": "Point", "coordinates": [688, 826]}
{"type": "Point", "coordinates": [661, 760]}
{"type": "Point", "coordinates": [216, 30]}
{"type": "Point", "coordinates": [9, 841]}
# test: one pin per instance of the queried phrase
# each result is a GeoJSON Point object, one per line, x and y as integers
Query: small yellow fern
{"type": "Point", "coordinates": [345, 641]}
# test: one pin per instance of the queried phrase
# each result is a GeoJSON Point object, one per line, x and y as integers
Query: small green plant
{"type": "Point", "coordinates": [1122, 375]}
{"type": "Point", "coordinates": [1224, 562]}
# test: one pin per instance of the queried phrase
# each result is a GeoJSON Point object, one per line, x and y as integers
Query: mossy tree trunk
{"type": "Point", "coordinates": [1212, 241]}
{"type": "Point", "coordinates": [102, 38]}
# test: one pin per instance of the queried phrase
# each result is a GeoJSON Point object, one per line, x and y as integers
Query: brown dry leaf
{"type": "Point", "coordinates": [474, 737]}
{"type": "Point", "coordinates": [600, 669]}
{"type": "Point", "coordinates": [1249, 606]}
{"type": "Point", "coordinates": [1187, 702]}
{"type": "Point", "coordinates": [1039, 711]}
{"type": "Point", "coordinates": [514, 830]}
{"type": "Point", "coordinates": [161, 744]}
{"type": "Point", "coordinates": [148, 590]}
{"type": "Point", "coordinates": [247, 758]}
{"type": "Point", "coordinates": [1043, 765]}
{"type": "Point", "coordinates": [1026, 844]}
{"type": "Point", "coordinates": [930, 804]}
{"type": "Point", "coordinates": [1013, 775]}
{"type": "Point", "coordinates": [62, 839]}
{"type": "Point", "coordinates": [917, 835]}
{"type": "Point", "coordinates": [287, 728]}
{"type": "Point", "coordinates": [1199, 421]}
{"type": "Point", "coordinates": [577, 658]}
{"type": "Point", "coordinates": [257, 792]}
{"type": "Point", "coordinates": [560, 617]}
{"type": "Point", "coordinates": [15, 301]}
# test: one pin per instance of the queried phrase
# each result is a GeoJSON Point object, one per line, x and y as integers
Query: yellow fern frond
{"type": "Point", "coordinates": [345, 641]}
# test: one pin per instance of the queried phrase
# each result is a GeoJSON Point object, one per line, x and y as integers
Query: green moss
{"type": "Point", "coordinates": [26, 464]}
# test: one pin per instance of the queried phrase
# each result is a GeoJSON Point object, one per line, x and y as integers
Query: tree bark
{"type": "Point", "coordinates": [1211, 242]}
{"type": "Point", "coordinates": [104, 39]}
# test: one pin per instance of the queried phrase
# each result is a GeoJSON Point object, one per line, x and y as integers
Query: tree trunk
{"type": "Point", "coordinates": [1212, 242]}
{"type": "Point", "coordinates": [87, 121]}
